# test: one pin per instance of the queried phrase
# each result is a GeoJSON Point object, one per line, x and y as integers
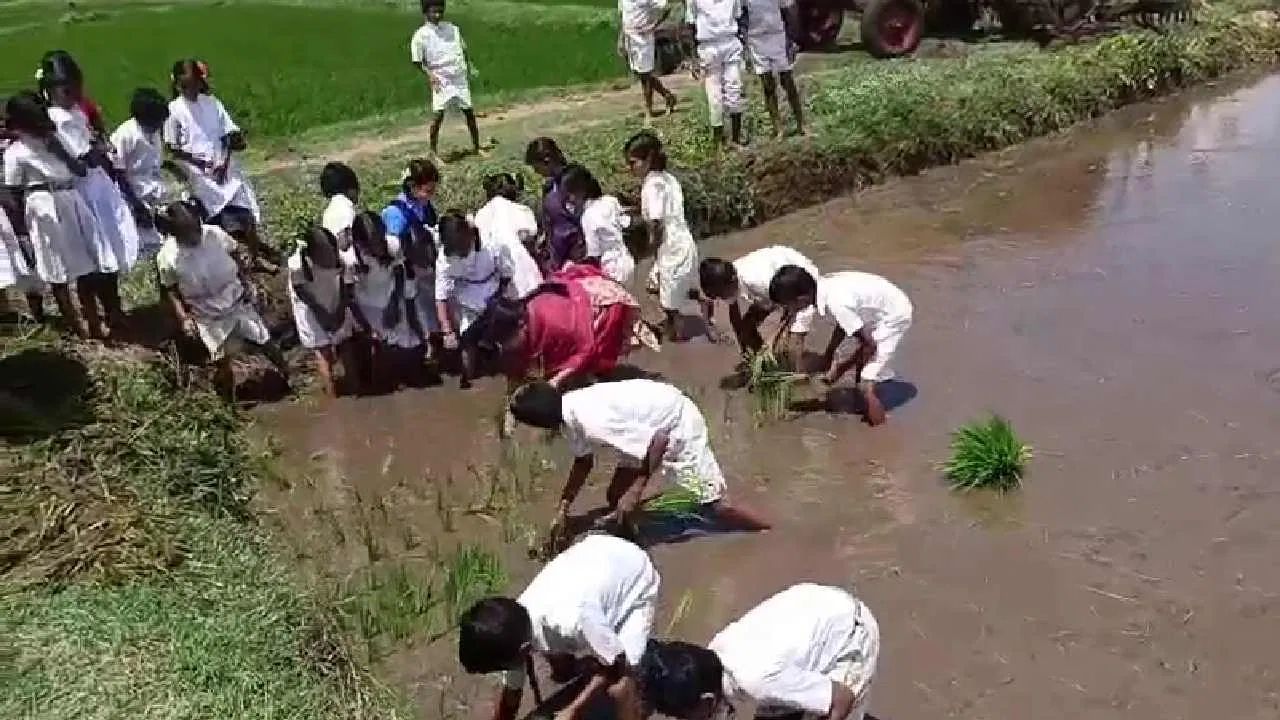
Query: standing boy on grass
{"type": "Point", "coordinates": [637, 41]}
{"type": "Point", "coordinates": [871, 316]}
{"type": "Point", "coordinates": [718, 28]}
{"type": "Point", "coordinates": [771, 30]}
{"type": "Point", "coordinates": [437, 48]}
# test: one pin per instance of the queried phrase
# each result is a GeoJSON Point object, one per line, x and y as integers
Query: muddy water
{"type": "Point", "coordinates": [1111, 291]}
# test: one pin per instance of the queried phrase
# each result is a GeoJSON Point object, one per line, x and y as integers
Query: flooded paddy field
{"type": "Point", "coordinates": [1112, 291]}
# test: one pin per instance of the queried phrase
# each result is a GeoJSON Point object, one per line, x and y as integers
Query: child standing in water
{"type": "Point", "coordinates": [871, 315]}
{"type": "Point", "coordinates": [204, 282]}
{"type": "Point", "coordinates": [509, 227]}
{"type": "Point", "coordinates": [204, 139]}
{"type": "Point", "coordinates": [320, 297]}
{"type": "Point", "coordinates": [139, 155]}
{"type": "Point", "coordinates": [603, 224]}
{"type": "Point", "coordinates": [339, 183]}
{"type": "Point", "coordinates": [637, 42]}
{"type": "Point", "coordinates": [117, 249]}
{"type": "Point", "coordinates": [747, 280]}
{"type": "Point", "coordinates": [64, 235]}
{"type": "Point", "coordinates": [437, 48]}
{"type": "Point", "coordinates": [378, 300]}
{"type": "Point", "coordinates": [662, 206]}
{"type": "Point", "coordinates": [468, 275]}
{"type": "Point", "coordinates": [718, 27]}
{"type": "Point", "coordinates": [771, 31]}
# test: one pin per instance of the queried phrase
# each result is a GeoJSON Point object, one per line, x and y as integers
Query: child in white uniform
{"type": "Point", "coordinates": [378, 303]}
{"type": "Point", "coordinates": [637, 42]}
{"type": "Point", "coordinates": [438, 50]}
{"type": "Point", "coordinates": [203, 281]}
{"type": "Point", "coordinates": [592, 604]}
{"type": "Point", "coordinates": [747, 280]}
{"type": "Point", "coordinates": [17, 260]}
{"type": "Point", "coordinates": [603, 224]}
{"type": "Point", "coordinates": [468, 275]}
{"type": "Point", "coordinates": [139, 157]}
{"type": "Point", "coordinates": [338, 183]}
{"type": "Point", "coordinates": [63, 232]}
{"type": "Point", "coordinates": [654, 428]}
{"type": "Point", "coordinates": [675, 261]}
{"type": "Point", "coordinates": [320, 297]}
{"type": "Point", "coordinates": [771, 29]}
{"type": "Point", "coordinates": [809, 651]}
{"type": "Point", "coordinates": [871, 315]}
{"type": "Point", "coordinates": [509, 227]}
{"type": "Point", "coordinates": [718, 29]}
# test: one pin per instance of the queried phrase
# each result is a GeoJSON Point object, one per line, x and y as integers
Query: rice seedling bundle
{"type": "Point", "coordinates": [986, 455]}
{"type": "Point", "coordinates": [770, 385]}
{"type": "Point", "coordinates": [673, 502]}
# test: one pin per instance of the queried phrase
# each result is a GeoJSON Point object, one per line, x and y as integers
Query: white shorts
{"type": "Point", "coordinates": [768, 53]}
{"type": "Point", "coordinates": [690, 463]}
{"type": "Point", "coordinates": [450, 92]}
{"type": "Point", "coordinates": [640, 48]}
{"type": "Point", "coordinates": [857, 672]}
{"type": "Point", "coordinates": [222, 336]}
{"type": "Point", "coordinates": [888, 335]}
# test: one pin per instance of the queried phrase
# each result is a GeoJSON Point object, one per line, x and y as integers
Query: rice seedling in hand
{"type": "Point", "coordinates": [769, 384]}
{"type": "Point", "coordinates": [986, 455]}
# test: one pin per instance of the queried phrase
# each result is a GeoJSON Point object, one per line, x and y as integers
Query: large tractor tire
{"type": "Point", "coordinates": [820, 21]}
{"type": "Point", "coordinates": [892, 28]}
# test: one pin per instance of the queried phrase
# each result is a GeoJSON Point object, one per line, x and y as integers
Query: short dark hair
{"type": "Point", "coordinates": [675, 676]}
{"type": "Point", "coordinates": [148, 107]}
{"type": "Point", "coordinates": [369, 237]}
{"type": "Point", "coordinates": [420, 171]}
{"type": "Point", "coordinates": [790, 283]}
{"type": "Point", "coordinates": [492, 634]}
{"type": "Point", "coordinates": [715, 276]}
{"type": "Point", "coordinates": [28, 112]}
{"type": "Point", "coordinates": [503, 184]}
{"type": "Point", "coordinates": [337, 179]}
{"type": "Point", "coordinates": [578, 179]}
{"type": "Point", "coordinates": [543, 150]}
{"type": "Point", "coordinates": [648, 147]}
{"type": "Point", "coordinates": [538, 404]}
{"type": "Point", "coordinates": [458, 237]}
{"type": "Point", "coordinates": [427, 4]}
{"type": "Point", "coordinates": [178, 216]}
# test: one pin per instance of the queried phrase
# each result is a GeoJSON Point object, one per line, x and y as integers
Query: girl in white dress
{"type": "Point", "coordinates": [378, 300]}
{"type": "Point", "coordinates": [116, 249]}
{"type": "Point", "coordinates": [603, 224]}
{"type": "Point", "coordinates": [320, 297]}
{"type": "Point", "coordinates": [139, 159]}
{"type": "Point", "coordinates": [510, 227]}
{"type": "Point", "coordinates": [675, 263]}
{"type": "Point", "coordinates": [17, 261]}
{"type": "Point", "coordinates": [61, 227]}
{"type": "Point", "coordinates": [203, 138]}
{"type": "Point", "coordinates": [468, 275]}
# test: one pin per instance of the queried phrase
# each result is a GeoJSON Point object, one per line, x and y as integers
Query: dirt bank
{"type": "Point", "coordinates": [1109, 290]}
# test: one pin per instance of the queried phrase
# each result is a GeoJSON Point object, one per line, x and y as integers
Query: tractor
{"type": "Point", "coordinates": [892, 28]}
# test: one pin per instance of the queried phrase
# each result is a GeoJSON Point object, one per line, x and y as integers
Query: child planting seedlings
{"type": "Point", "coordinates": [637, 43]}
{"type": "Point", "coordinates": [654, 428]}
{"type": "Point", "coordinates": [772, 26]}
{"type": "Point", "coordinates": [745, 281]}
{"type": "Point", "coordinates": [809, 651]}
{"type": "Point", "coordinates": [589, 610]}
{"type": "Point", "coordinates": [437, 48]}
{"type": "Point", "coordinates": [718, 27]}
{"type": "Point", "coordinates": [871, 316]}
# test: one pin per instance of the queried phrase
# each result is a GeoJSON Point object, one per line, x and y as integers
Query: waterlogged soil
{"type": "Point", "coordinates": [1111, 291]}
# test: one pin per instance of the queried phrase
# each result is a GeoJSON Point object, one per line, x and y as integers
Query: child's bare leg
{"type": "Point", "coordinates": [35, 304]}
{"type": "Point", "coordinates": [740, 517]}
{"type": "Point", "coordinates": [349, 356]}
{"type": "Point", "coordinates": [735, 128]}
{"type": "Point", "coordinates": [223, 377]}
{"type": "Point", "coordinates": [470, 116]}
{"type": "Point", "coordinates": [324, 368]}
{"type": "Point", "coordinates": [271, 351]}
{"type": "Point", "coordinates": [625, 694]}
{"type": "Point", "coordinates": [436, 121]}
{"type": "Point", "coordinates": [670, 322]}
{"type": "Point", "coordinates": [646, 90]}
{"type": "Point", "coordinates": [70, 313]}
{"type": "Point", "coordinates": [794, 344]}
{"type": "Point", "coordinates": [788, 80]}
{"type": "Point", "coordinates": [668, 97]}
{"type": "Point", "coordinates": [769, 87]}
{"type": "Point", "coordinates": [623, 478]}
{"type": "Point", "coordinates": [875, 408]}
{"type": "Point", "coordinates": [108, 292]}
{"type": "Point", "coordinates": [468, 369]}
{"type": "Point", "coordinates": [86, 292]}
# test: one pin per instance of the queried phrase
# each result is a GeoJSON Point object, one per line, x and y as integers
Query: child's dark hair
{"type": "Point", "coordinates": [458, 237]}
{"type": "Point", "coordinates": [675, 675]}
{"type": "Point", "coordinates": [369, 239]}
{"type": "Point", "coordinates": [648, 147]}
{"type": "Point", "coordinates": [59, 69]}
{"type": "Point", "coordinates": [419, 172]}
{"type": "Point", "coordinates": [543, 150]}
{"type": "Point", "coordinates": [790, 283]}
{"type": "Point", "coordinates": [577, 179]}
{"type": "Point", "coordinates": [716, 276]}
{"type": "Point", "coordinates": [28, 112]}
{"type": "Point", "coordinates": [189, 65]}
{"type": "Point", "coordinates": [502, 316]}
{"type": "Point", "coordinates": [428, 4]}
{"type": "Point", "coordinates": [179, 216]}
{"type": "Point", "coordinates": [338, 179]}
{"type": "Point", "coordinates": [504, 184]}
{"type": "Point", "coordinates": [313, 238]}
{"type": "Point", "coordinates": [148, 107]}
{"type": "Point", "coordinates": [492, 635]}
{"type": "Point", "coordinates": [537, 404]}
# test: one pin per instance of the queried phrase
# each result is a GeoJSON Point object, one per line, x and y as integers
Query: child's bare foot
{"type": "Point", "coordinates": [875, 409]}
{"type": "Point", "coordinates": [671, 104]}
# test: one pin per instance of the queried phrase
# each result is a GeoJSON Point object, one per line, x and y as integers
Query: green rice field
{"type": "Point", "coordinates": [285, 67]}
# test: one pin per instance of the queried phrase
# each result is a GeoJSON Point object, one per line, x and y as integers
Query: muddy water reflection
{"type": "Point", "coordinates": [1113, 292]}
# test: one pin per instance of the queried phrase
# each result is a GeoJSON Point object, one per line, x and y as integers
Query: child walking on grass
{"type": "Point", "coordinates": [746, 280]}
{"type": "Point", "coordinates": [203, 279]}
{"type": "Point", "coordinates": [772, 27]}
{"type": "Point", "coordinates": [718, 28]}
{"type": "Point", "coordinates": [871, 315]}
{"type": "Point", "coordinates": [662, 207]}
{"type": "Point", "coordinates": [437, 48]}
{"type": "Point", "coordinates": [654, 428]}
{"type": "Point", "coordinates": [320, 298]}
{"type": "Point", "coordinates": [638, 44]}
{"type": "Point", "coordinates": [603, 224]}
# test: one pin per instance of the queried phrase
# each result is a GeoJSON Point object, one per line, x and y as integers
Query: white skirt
{"type": "Point", "coordinates": [450, 90]}
{"type": "Point", "coordinates": [402, 335]}
{"type": "Point", "coordinates": [15, 271]}
{"type": "Point", "coordinates": [618, 266]}
{"type": "Point", "coordinates": [312, 334]}
{"type": "Point", "coordinates": [675, 269]}
{"type": "Point", "coordinates": [64, 235]}
{"type": "Point", "coordinates": [217, 196]}
{"type": "Point", "coordinates": [116, 249]}
{"type": "Point", "coordinates": [220, 334]}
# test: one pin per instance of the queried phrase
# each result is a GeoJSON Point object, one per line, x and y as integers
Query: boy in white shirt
{"type": "Point", "coordinates": [637, 42]}
{"type": "Point", "coordinates": [652, 426]}
{"type": "Point", "coordinates": [718, 29]}
{"type": "Point", "coordinates": [592, 605]}
{"type": "Point", "coordinates": [810, 651]}
{"type": "Point", "coordinates": [771, 30]}
{"type": "Point", "coordinates": [747, 279]}
{"type": "Point", "coordinates": [871, 316]}
{"type": "Point", "coordinates": [437, 48]}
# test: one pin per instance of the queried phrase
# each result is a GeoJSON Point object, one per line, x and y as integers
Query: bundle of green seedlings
{"type": "Point", "coordinates": [675, 502]}
{"type": "Point", "coordinates": [771, 385]}
{"type": "Point", "coordinates": [986, 455]}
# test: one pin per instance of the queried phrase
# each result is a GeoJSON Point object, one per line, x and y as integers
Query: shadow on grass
{"type": "Point", "coordinates": [41, 393]}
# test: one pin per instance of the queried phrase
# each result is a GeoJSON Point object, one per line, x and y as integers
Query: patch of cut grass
{"type": "Point", "coordinates": [986, 455]}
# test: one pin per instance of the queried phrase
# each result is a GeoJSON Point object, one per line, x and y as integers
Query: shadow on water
{"type": "Point", "coordinates": [846, 400]}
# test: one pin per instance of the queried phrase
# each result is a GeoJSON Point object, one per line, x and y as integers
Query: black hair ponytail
{"type": "Point", "coordinates": [504, 184]}
{"type": "Point", "coordinates": [578, 179]}
{"type": "Point", "coordinates": [648, 147]}
{"type": "Point", "coordinates": [59, 69]}
{"type": "Point", "coordinates": [182, 67]}
{"type": "Point", "coordinates": [675, 675]}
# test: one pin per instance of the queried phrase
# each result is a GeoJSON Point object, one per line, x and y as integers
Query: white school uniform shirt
{"type": "Point", "coordinates": [139, 154]}
{"type": "Point", "coordinates": [439, 49]}
{"type": "Point", "coordinates": [857, 299]}
{"type": "Point", "coordinates": [764, 17]}
{"type": "Point", "coordinates": [337, 218]}
{"type": "Point", "coordinates": [785, 652]}
{"type": "Point", "coordinates": [206, 275]}
{"type": "Point", "coordinates": [595, 599]}
{"type": "Point", "coordinates": [757, 268]}
{"type": "Point", "coordinates": [63, 231]}
{"type": "Point", "coordinates": [501, 223]}
{"type": "Point", "coordinates": [603, 223]}
{"type": "Point", "coordinates": [714, 19]}
{"type": "Point", "coordinates": [469, 281]}
{"type": "Point", "coordinates": [374, 286]}
{"type": "Point", "coordinates": [641, 16]}
{"type": "Point", "coordinates": [197, 128]}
